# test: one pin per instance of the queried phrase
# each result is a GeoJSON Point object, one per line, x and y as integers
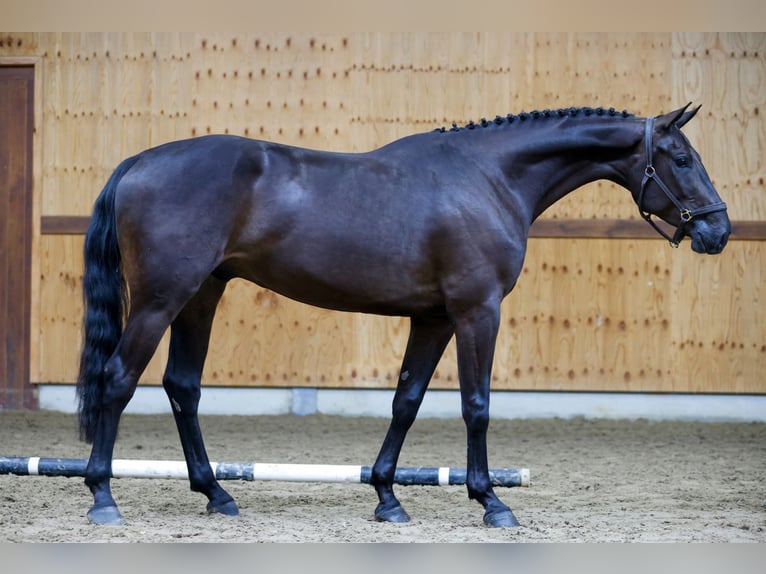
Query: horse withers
{"type": "Point", "coordinates": [432, 226]}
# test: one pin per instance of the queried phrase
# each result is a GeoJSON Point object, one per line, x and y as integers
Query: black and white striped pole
{"type": "Point", "coordinates": [124, 468]}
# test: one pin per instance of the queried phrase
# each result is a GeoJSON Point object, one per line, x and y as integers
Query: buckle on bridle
{"type": "Point", "coordinates": [686, 215]}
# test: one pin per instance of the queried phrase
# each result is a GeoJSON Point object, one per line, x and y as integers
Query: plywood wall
{"type": "Point", "coordinates": [588, 314]}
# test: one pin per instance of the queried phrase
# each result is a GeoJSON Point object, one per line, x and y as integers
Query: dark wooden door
{"type": "Point", "coordinates": [16, 128]}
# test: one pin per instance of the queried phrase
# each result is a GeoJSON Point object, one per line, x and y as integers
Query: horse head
{"type": "Point", "coordinates": [676, 187]}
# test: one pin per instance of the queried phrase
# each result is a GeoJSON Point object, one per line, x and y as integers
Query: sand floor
{"type": "Point", "coordinates": [592, 481]}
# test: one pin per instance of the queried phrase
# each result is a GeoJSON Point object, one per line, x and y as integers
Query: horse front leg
{"type": "Point", "coordinates": [427, 340]}
{"type": "Point", "coordinates": [476, 333]}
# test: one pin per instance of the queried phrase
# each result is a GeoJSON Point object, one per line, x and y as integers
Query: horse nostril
{"type": "Point", "coordinates": [724, 239]}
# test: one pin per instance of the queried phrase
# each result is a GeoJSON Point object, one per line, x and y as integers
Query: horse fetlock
{"type": "Point", "coordinates": [481, 491]}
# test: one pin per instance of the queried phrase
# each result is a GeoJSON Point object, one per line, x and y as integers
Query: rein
{"type": "Point", "coordinates": [650, 174]}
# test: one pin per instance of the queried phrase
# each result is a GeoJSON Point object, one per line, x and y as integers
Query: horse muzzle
{"type": "Point", "coordinates": [709, 235]}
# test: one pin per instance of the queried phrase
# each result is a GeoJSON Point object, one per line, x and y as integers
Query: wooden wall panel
{"type": "Point", "coordinates": [727, 74]}
{"type": "Point", "coordinates": [607, 315]}
{"type": "Point", "coordinates": [588, 314]}
{"type": "Point", "coordinates": [61, 312]}
{"type": "Point", "coordinates": [634, 315]}
{"type": "Point", "coordinates": [111, 95]}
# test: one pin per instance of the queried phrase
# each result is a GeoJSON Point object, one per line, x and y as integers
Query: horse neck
{"type": "Point", "coordinates": [552, 159]}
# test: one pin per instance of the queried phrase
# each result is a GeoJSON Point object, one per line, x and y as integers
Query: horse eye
{"type": "Point", "coordinates": [683, 161]}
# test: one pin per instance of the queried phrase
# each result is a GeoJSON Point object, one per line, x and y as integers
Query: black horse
{"type": "Point", "coordinates": [433, 227]}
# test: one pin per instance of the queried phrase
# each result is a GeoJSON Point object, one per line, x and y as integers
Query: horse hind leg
{"type": "Point", "coordinates": [143, 332]}
{"type": "Point", "coordinates": [189, 338]}
{"type": "Point", "coordinates": [427, 341]}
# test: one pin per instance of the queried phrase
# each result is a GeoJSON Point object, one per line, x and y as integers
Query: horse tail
{"type": "Point", "coordinates": [105, 299]}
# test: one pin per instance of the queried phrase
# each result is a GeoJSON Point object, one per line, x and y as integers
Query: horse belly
{"type": "Point", "coordinates": [340, 275]}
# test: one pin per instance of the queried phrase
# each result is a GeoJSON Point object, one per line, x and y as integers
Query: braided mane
{"type": "Point", "coordinates": [524, 116]}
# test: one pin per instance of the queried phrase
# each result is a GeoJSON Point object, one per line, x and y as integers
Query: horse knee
{"type": "Point", "coordinates": [479, 489]}
{"type": "Point", "coordinates": [476, 417]}
{"type": "Point", "coordinates": [182, 391]}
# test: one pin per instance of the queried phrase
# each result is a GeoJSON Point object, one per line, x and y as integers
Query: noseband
{"type": "Point", "coordinates": [651, 175]}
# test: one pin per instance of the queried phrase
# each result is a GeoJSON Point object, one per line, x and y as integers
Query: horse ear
{"type": "Point", "coordinates": [677, 118]}
{"type": "Point", "coordinates": [686, 116]}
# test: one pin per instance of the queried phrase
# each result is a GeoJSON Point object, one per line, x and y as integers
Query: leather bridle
{"type": "Point", "coordinates": [650, 174]}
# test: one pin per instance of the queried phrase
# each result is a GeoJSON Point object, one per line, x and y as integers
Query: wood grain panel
{"type": "Point", "coordinates": [727, 74]}
{"type": "Point", "coordinates": [114, 94]}
{"type": "Point", "coordinates": [62, 310]}
{"type": "Point", "coordinates": [109, 95]}
{"type": "Point", "coordinates": [586, 315]}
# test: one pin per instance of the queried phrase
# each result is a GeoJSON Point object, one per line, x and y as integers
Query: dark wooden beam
{"type": "Point", "coordinates": [64, 224]}
{"type": "Point", "coordinates": [542, 228]}
{"type": "Point", "coordinates": [593, 228]}
{"type": "Point", "coordinates": [749, 230]}
{"type": "Point", "coordinates": [629, 229]}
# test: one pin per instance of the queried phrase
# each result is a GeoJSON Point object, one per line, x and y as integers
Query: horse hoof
{"type": "Point", "coordinates": [501, 519]}
{"type": "Point", "coordinates": [227, 508]}
{"type": "Point", "coordinates": [106, 515]}
{"type": "Point", "coordinates": [396, 514]}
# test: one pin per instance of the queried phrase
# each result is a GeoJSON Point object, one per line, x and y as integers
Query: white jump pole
{"type": "Point", "coordinates": [123, 468]}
